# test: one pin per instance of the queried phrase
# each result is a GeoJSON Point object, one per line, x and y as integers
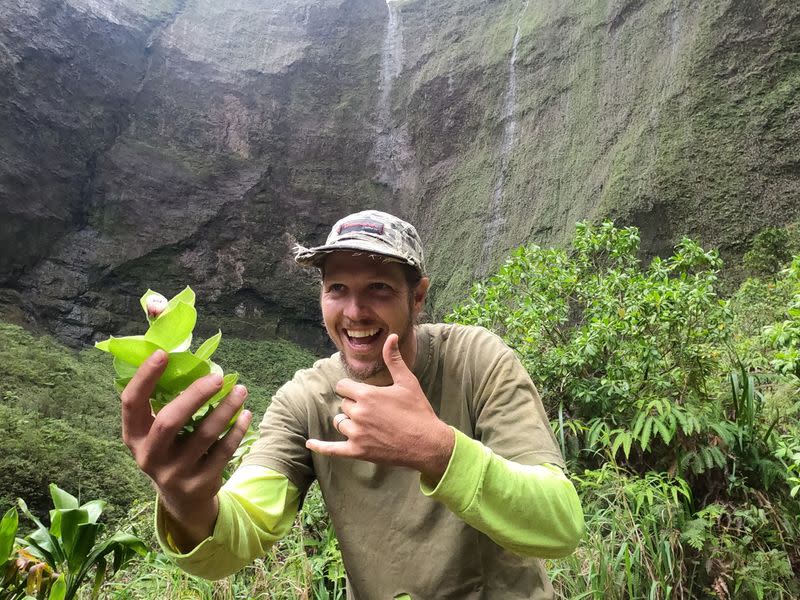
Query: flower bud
{"type": "Point", "coordinates": [156, 304]}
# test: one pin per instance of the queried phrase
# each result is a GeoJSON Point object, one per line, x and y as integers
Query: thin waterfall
{"type": "Point", "coordinates": [496, 220]}
{"type": "Point", "coordinates": [391, 62]}
{"type": "Point", "coordinates": [392, 154]}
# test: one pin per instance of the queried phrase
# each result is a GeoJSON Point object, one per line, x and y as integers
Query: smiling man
{"type": "Point", "coordinates": [429, 442]}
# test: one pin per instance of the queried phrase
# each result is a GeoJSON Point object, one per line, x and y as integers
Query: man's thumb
{"type": "Point", "coordinates": [392, 356]}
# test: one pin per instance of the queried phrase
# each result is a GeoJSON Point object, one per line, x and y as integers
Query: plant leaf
{"type": "Point", "coordinates": [133, 349]}
{"type": "Point", "coordinates": [94, 509]}
{"type": "Point", "coordinates": [8, 532]}
{"type": "Point", "coordinates": [59, 589]}
{"type": "Point", "coordinates": [207, 348]}
{"type": "Point", "coordinates": [62, 499]}
{"type": "Point", "coordinates": [172, 328]}
{"type": "Point", "coordinates": [183, 368]}
{"type": "Point", "coordinates": [124, 370]}
{"type": "Point", "coordinates": [186, 295]}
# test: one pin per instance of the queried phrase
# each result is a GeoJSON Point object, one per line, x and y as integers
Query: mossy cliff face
{"type": "Point", "coordinates": [160, 143]}
{"type": "Point", "coordinates": [192, 144]}
{"type": "Point", "coordinates": [676, 116]}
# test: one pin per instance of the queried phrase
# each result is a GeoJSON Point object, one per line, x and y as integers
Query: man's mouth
{"type": "Point", "coordinates": [362, 338]}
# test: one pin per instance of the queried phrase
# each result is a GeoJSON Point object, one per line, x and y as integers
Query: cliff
{"type": "Point", "coordinates": [160, 143]}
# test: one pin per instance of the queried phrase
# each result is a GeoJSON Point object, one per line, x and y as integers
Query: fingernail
{"type": "Point", "coordinates": [216, 379]}
{"type": "Point", "coordinates": [240, 391]}
{"type": "Point", "coordinates": [158, 357]}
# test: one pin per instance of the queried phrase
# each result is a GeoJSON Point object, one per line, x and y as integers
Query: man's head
{"type": "Point", "coordinates": [373, 284]}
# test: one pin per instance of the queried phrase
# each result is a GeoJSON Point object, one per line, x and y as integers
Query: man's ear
{"type": "Point", "coordinates": [420, 293]}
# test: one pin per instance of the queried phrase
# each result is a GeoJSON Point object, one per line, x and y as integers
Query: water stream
{"type": "Point", "coordinates": [496, 220]}
{"type": "Point", "coordinates": [392, 154]}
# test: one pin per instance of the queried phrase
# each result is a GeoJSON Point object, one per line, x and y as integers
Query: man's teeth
{"type": "Point", "coordinates": [361, 333]}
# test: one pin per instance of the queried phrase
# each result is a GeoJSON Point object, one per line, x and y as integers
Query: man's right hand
{"type": "Point", "coordinates": [186, 470]}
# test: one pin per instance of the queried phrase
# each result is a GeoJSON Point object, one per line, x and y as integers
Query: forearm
{"type": "Point", "coordinates": [188, 528]}
{"type": "Point", "coordinates": [256, 508]}
{"type": "Point", "coordinates": [529, 510]}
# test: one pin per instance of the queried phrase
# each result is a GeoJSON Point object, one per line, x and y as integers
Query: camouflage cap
{"type": "Point", "coordinates": [370, 231]}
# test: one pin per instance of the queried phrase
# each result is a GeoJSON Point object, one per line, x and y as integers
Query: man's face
{"type": "Point", "coordinates": [363, 300]}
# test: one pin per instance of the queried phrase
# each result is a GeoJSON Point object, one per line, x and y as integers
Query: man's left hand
{"type": "Point", "coordinates": [392, 424]}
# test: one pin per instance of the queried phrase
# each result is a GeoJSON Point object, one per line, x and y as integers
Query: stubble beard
{"type": "Point", "coordinates": [379, 366]}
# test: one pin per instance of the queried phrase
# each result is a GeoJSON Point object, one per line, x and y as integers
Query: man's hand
{"type": "Point", "coordinates": [393, 425]}
{"type": "Point", "coordinates": [187, 471]}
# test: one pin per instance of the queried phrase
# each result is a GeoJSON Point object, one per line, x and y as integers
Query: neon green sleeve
{"type": "Point", "coordinates": [529, 510]}
{"type": "Point", "coordinates": [257, 507]}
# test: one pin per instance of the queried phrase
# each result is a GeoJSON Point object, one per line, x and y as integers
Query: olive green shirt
{"type": "Point", "coordinates": [395, 539]}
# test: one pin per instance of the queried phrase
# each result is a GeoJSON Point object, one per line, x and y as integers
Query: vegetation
{"type": "Point", "coordinates": [675, 408]}
{"type": "Point", "coordinates": [679, 425]}
{"type": "Point", "coordinates": [70, 545]}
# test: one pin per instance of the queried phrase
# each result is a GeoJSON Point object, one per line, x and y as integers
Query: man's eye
{"type": "Point", "coordinates": [335, 288]}
{"type": "Point", "coordinates": [380, 287]}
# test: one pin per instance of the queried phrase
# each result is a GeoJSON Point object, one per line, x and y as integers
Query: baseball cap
{"type": "Point", "coordinates": [370, 231]}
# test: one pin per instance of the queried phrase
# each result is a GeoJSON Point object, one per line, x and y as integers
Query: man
{"type": "Point", "coordinates": [429, 442]}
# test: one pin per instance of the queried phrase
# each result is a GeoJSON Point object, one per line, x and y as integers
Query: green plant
{"type": "Point", "coordinates": [785, 335]}
{"type": "Point", "coordinates": [171, 325]}
{"type": "Point", "coordinates": [639, 369]}
{"type": "Point", "coordinates": [71, 544]}
{"type": "Point", "coordinates": [21, 575]}
{"type": "Point", "coordinates": [628, 356]}
{"type": "Point", "coordinates": [633, 544]}
{"type": "Point", "coordinates": [770, 251]}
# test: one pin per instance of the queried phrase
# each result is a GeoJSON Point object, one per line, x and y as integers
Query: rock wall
{"type": "Point", "coordinates": [160, 143]}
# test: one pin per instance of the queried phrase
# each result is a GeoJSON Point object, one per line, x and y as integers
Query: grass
{"type": "Point", "coordinates": [60, 415]}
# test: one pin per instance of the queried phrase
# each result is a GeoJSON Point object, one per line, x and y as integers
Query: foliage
{"type": "Point", "coordinates": [71, 544]}
{"type": "Point", "coordinates": [171, 325]}
{"type": "Point", "coordinates": [36, 451]}
{"type": "Point", "coordinates": [265, 365]}
{"type": "Point", "coordinates": [771, 250]}
{"type": "Point", "coordinates": [628, 357]}
{"type": "Point", "coordinates": [633, 547]}
{"type": "Point", "coordinates": [60, 413]}
{"type": "Point", "coordinates": [21, 575]}
{"type": "Point", "coordinates": [646, 373]}
{"type": "Point", "coordinates": [785, 335]}
{"type": "Point", "coordinates": [305, 564]}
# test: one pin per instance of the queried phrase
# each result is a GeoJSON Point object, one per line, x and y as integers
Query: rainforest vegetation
{"type": "Point", "coordinates": [673, 395]}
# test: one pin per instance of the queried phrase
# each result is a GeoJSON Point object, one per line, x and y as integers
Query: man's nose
{"type": "Point", "coordinates": [357, 308]}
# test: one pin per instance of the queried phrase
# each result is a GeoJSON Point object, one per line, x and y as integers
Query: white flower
{"type": "Point", "coordinates": [156, 304]}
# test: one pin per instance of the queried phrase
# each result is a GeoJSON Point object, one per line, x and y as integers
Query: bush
{"type": "Point", "coordinates": [642, 372]}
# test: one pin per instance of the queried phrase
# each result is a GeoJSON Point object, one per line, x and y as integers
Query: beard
{"type": "Point", "coordinates": [365, 373]}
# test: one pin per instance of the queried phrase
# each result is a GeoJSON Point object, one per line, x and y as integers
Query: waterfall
{"type": "Point", "coordinates": [391, 62]}
{"type": "Point", "coordinates": [392, 154]}
{"type": "Point", "coordinates": [496, 220]}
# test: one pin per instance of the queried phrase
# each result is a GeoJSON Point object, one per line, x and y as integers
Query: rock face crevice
{"type": "Point", "coordinates": [164, 143]}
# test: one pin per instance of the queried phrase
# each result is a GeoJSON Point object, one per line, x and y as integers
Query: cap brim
{"type": "Point", "coordinates": [313, 257]}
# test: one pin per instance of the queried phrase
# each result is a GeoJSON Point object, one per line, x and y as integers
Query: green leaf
{"type": "Point", "coordinates": [644, 440]}
{"type": "Point", "coordinates": [65, 526]}
{"type": "Point", "coordinates": [172, 328]}
{"type": "Point", "coordinates": [8, 532]}
{"type": "Point", "coordinates": [85, 537]}
{"type": "Point", "coordinates": [99, 576]}
{"type": "Point", "coordinates": [62, 499]}
{"type": "Point", "coordinates": [124, 370]}
{"type": "Point", "coordinates": [133, 349]}
{"type": "Point", "coordinates": [59, 589]}
{"type": "Point", "coordinates": [94, 509]}
{"type": "Point", "coordinates": [186, 295]}
{"type": "Point", "coordinates": [182, 369]}
{"type": "Point", "coordinates": [207, 349]}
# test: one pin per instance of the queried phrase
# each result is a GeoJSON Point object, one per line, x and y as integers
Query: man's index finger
{"type": "Point", "coordinates": [136, 413]}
